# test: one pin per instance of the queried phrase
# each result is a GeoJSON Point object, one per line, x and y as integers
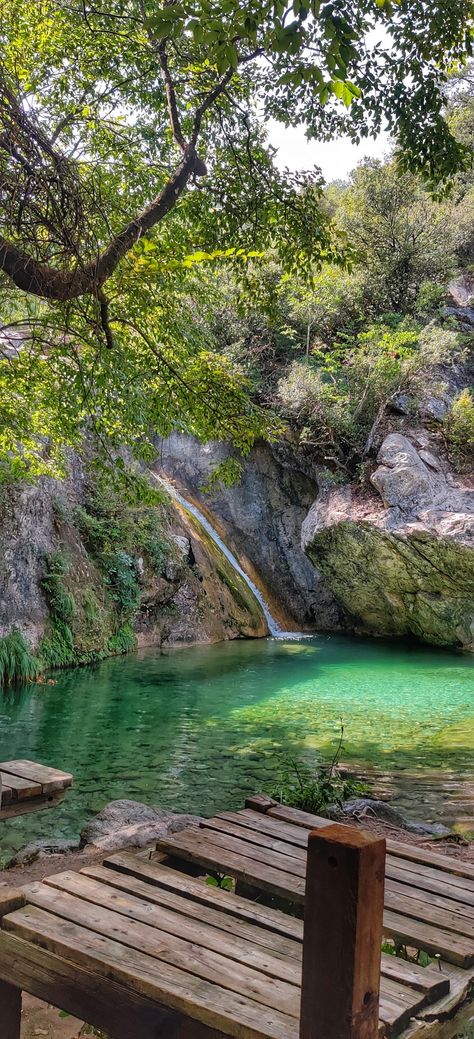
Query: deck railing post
{"type": "Point", "coordinates": [342, 934]}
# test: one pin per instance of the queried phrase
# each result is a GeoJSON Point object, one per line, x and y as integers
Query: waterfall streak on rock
{"type": "Point", "coordinates": [274, 628]}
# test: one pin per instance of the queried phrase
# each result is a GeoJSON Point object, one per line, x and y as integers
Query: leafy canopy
{"type": "Point", "coordinates": [132, 154]}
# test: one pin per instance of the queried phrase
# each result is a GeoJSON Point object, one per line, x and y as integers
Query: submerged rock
{"type": "Point", "coordinates": [131, 824]}
{"type": "Point", "coordinates": [402, 563]}
{"type": "Point", "coordinates": [40, 849]}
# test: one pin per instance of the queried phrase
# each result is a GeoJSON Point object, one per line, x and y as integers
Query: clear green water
{"type": "Point", "coordinates": [200, 729]}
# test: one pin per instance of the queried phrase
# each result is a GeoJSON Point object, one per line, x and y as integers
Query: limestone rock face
{"type": "Point", "coordinates": [401, 563]}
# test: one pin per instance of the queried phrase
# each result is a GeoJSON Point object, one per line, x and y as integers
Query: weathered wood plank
{"type": "Point", "coordinates": [263, 840]}
{"type": "Point", "coordinates": [343, 936]}
{"type": "Point", "coordinates": [51, 780]}
{"type": "Point", "coordinates": [265, 824]}
{"type": "Point", "coordinates": [223, 921]}
{"type": "Point", "coordinates": [443, 918]}
{"type": "Point", "coordinates": [20, 788]}
{"type": "Point", "coordinates": [10, 898]}
{"type": "Point", "coordinates": [37, 804]}
{"type": "Point", "coordinates": [192, 848]}
{"type": "Point", "coordinates": [199, 932]}
{"type": "Point", "coordinates": [451, 947]}
{"type": "Point", "coordinates": [415, 869]}
{"type": "Point", "coordinates": [431, 982]}
{"type": "Point", "coordinates": [456, 867]}
{"type": "Point", "coordinates": [430, 885]}
{"type": "Point", "coordinates": [170, 950]}
{"type": "Point", "coordinates": [299, 818]}
{"type": "Point", "coordinates": [10, 1009]}
{"type": "Point", "coordinates": [163, 876]}
{"type": "Point", "coordinates": [118, 1011]}
{"type": "Point", "coordinates": [170, 986]}
{"type": "Point", "coordinates": [429, 898]}
{"type": "Point", "coordinates": [261, 853]}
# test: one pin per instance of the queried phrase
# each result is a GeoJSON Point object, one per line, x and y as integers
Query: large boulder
{"type": "Point", "coordinates": [131, 824]}
{"type": "Point", "coordinates": [401, 563]}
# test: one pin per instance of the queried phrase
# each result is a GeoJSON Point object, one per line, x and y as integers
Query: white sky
{"type": "Point", "coordinates": [335, 158]}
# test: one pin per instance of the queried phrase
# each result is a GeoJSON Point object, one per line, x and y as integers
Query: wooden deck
{"type": "Point", "coordinates": [28, 787]}
{"type": "Point", "coordinates": [141, 926]}
{"type": "Point", "coordinates": [429, 897]}
{"type": "Point", "coordinates": [144, 951]}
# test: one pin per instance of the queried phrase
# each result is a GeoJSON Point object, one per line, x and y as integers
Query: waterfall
{"type": "Point", "coordinates": [273, 626]}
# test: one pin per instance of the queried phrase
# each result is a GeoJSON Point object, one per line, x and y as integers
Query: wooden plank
{"type": "Point", "coordinates": [451, 947]}
{"type": "Point", "coordinates": [429, 884]}
{"type": "Point", "coordinates": [431, 982]}
{"type": "Point", "coordinates": [259, 935]}
{"type": "Point", "coordinates": [260, 802]}
{"type": "Point", "coordinates": [299, 818]}
{"type": "Point", "coordinates": [456, 867]}
{"type": "Point", "coordinates": [51, 780]}
{"type": "Point", "coordinates": [10, 1005]}
{"type": "Point", "coordinates": [265, 824]}
{"type": "Point", "coordinates": [263, 840]}
{"type": "Point", "coordinates": [343, 935]}
{"type": "Point", "coordinates": [116, 1010]}
{"type": "Point", "coordinates": [172, 880]}
{"type": "Point", "coordinates": [261, 853]}
{"type": "Point", "coordinates": [200, 931]}
{"type": "Point", "coordinates": [170, 950]}
{"type": "Point", "coordinates": [466, 912]}
{"type": "Point", "coordinates": [191, 847]}
{"type": "Point", "coordinates": [170, 986]}
{"type": "Point", "coordinates": [415, 869]}
{"type": "Point", "coordinates": [6, 793]}
{"type": "Point", "coordinates": [10, 898]}
{"type": "Point", "coordinates": [37, 804]}
{"type": "Point", "coordinates": [440, 917]}
{"type": "Point", "coordinates": [20, 788]}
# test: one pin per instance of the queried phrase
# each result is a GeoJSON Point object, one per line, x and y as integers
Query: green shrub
{"type": "Point", "coordinates": [61, 602]}
{"type": "Point", "coordinates": [57, 648]}
{"type": "Point", "coordinates": [121, 576]}
{"type": "Point", "coordinates": [17, 663]}
{"type": "Point", "coordinates": [459, 427]}
{"type": "Point", "coordinates": [123, 641]}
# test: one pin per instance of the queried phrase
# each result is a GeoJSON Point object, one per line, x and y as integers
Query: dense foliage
{"type": "Point", "coordinates": [133, 163]}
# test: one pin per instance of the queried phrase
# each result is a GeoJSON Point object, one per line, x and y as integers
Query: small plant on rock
{"type": "Point", "coordinates": [315, 789]}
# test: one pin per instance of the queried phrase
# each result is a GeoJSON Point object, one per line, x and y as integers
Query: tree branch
{"type": "Point", "coordinates": [38, 278]}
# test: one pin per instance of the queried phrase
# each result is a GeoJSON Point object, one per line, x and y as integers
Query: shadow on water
{"type": "Point", "coordinates": [201, 728]}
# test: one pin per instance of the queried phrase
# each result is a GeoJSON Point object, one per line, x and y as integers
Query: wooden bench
{"type": "Point", "coordinates": [26, 786]}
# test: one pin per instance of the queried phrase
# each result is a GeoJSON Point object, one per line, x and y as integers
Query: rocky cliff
{"type": "Point", "coordinates": [400, 560]}
{"type": "Point", "coordinates": [260, 518]}
{"type": "Point", "coordinates": [82, 580]}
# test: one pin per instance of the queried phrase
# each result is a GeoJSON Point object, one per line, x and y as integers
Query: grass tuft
{"type": "Point", "coordinates": [17, 663]}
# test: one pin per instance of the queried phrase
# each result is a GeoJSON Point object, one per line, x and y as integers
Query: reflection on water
{"type": "Point", "coordinates": [201, 728]}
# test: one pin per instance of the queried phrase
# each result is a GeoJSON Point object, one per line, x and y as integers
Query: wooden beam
{"type": "Point", "coordinates": [342, 935]}
{"type": "Point", "coordinates": [10, 1010]}
{"type": "Point", "coordinates": [11, 898]}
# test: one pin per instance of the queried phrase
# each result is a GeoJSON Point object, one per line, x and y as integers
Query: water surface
{"type": "Point", "coordinates": [201, 728]}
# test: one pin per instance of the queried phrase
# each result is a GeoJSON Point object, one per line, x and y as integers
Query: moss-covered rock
{"type": "Point", "coordinates": [407, 568]}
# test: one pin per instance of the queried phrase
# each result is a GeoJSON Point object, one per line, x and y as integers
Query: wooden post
{"type": "Point", "coordinates": [10, 1011]}
{"type": "Point", "coordinates": [342, 934]}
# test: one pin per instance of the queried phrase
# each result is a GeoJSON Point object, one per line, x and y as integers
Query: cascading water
{"type": "Point", "coordinates": [273, 626]}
